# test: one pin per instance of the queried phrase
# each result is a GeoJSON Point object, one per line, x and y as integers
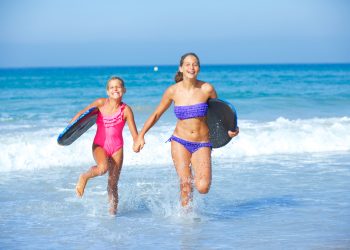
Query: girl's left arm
{"type": "Point", "coordinates": [129, 117]}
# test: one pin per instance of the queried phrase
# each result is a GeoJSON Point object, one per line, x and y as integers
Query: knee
{"type": "Point", "coordinates": [103, 168]}
{"type": "Point", "coordinates": [203, 186]}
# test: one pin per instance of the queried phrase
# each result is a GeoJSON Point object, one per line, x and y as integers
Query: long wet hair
{"type": "Point", "coordinates": [179, 75]}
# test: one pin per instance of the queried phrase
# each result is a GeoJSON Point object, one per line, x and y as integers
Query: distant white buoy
{"type": "Point", "coordinates": [155, 68]}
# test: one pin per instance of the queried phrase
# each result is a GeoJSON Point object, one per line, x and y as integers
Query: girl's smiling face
{"type": "Point", "coordinates": [115, 89]}
{"type": "Point", "coordinates": [190, 67]}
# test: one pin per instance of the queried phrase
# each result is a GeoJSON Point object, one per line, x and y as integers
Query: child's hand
{"type": "Point", "coordinates": [138, 144]}
{"type": "Point", "coordinates": [233, 133]}
{"type": "Point", "coordinates": [136, 147]}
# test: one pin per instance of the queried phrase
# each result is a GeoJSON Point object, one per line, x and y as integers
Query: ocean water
{"type": "Point", "coordinates": [283, 183]}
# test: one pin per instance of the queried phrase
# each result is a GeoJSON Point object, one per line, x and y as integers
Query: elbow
{"type": "Point", "coordinates": [154, 118]}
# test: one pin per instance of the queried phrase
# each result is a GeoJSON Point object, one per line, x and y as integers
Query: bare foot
{"type": "Point", "coordinates": [81, 185]}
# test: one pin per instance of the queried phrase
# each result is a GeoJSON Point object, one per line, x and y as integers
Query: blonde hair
{"type": "Point", "coordinates": [115, 78]}
{"type": "Point", "coordinates": [179, 76]}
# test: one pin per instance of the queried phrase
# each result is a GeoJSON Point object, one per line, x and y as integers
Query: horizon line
{"type": "Point", "coordinates": [174, 65]}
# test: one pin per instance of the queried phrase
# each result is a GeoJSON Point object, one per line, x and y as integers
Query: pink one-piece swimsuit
{"type": "Point", "coordinates": [109, 134]}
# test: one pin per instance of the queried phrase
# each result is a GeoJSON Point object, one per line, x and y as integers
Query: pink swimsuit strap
{"type": "Point", "coordinates": [114, 119]}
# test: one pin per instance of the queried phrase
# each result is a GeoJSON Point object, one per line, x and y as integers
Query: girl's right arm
{"type": "Point", "coordinates": [129, 117]}
{"type": "Point", "coordinates": [154, 117]}
{"type": "Point", "coordinates": [97, 103]}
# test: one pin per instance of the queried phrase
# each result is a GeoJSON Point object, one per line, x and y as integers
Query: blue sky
{"type": "Point", "coordinates": [156, 32]}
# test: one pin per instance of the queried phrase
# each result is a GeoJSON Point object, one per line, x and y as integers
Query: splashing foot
{"type": "Point", "coordinates": [80, 187]}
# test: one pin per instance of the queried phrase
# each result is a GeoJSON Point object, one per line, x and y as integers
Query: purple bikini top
{"type": "Point", "coordinates": [191, 111]}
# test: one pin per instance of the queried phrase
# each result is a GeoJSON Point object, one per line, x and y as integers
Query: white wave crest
{"type": "Point", "coordinates": [39, 149]}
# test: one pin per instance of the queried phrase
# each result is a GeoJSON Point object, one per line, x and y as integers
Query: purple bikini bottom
{"type": "Point", "coordinates": [190, 146]}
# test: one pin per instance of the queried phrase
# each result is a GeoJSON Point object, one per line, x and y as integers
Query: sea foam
{"type": "Point", "coordinates": [29, 150]}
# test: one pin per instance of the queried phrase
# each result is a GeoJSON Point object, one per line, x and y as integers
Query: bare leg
{"type": "Point", "coordinates": [115, 166]}
{"type": "Point", "coordinates": [181, 158]}
{"type": "Point", "coordinates": [201, 164]}
{"type": "Point", "coordinates": [101, 168]}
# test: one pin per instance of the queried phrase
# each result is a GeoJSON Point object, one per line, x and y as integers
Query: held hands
{"type": "Point", "coordinates": [138, 144]}
{"type": "Point", "coordinates": [233, 133]}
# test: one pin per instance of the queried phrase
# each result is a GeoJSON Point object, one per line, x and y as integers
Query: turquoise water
{"type": "Point", "coordinates": [282, 183]}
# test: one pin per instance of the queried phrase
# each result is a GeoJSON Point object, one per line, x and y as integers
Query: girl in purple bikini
{"type": "Point", "coordinates": [190, 145]}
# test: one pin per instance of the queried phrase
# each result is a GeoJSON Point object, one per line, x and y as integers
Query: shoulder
{"type": "Point", "coordinates": [171, 90]}
{"type": "Point", "coordinates": [127, 109]}
{"type": "Point", "coordinates": [99, 102]}
{"type": "Point", "coordinates": [207, 87]}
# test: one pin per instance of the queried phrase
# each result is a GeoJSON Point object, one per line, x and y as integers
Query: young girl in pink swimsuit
{"type": "Point", "coordinates": [107, 147]}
